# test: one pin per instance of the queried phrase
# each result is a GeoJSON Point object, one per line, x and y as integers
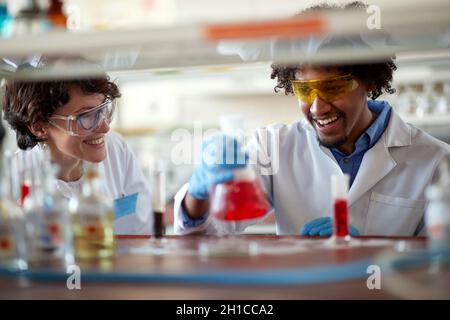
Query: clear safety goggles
{"type": "Point", "coordinates": [86, 122]}
{"type": "Point", "coordinates": [328, 90]}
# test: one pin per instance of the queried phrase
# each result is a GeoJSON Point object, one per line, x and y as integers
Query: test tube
{"type": "Point", "coordinates": [158, 201]}
{"type": "Point", "coordinates": [339, 192]}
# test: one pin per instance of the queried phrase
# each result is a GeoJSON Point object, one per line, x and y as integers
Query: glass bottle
{"type": "Point", "coordinates": [49, 235]}
{"type": "Point", "coordinates": [92, 219]}
{"type": "Point", "coordinates": [31, 19]}
{"type": "Point", "coordinates": [56, 15]}
{"type": "Point", "coordinates": [437, 217]}
{"type": "Point", "coordinates": [443, 101]}
{"type": "Point", "coordinates": [425, 101]}
{"type": "Point", "coordinates": [407, 101]}
{"type": "Point", "coordinates": [5, 19]}
{"type": "Point", "coordinates": [12, 229]}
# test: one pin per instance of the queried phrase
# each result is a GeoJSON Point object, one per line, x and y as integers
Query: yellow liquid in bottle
{"type": "Point", "coordinates": [93, 235]}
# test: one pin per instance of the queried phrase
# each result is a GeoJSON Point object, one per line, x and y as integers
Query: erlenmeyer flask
{"type": "Point", "coordinates": [242, 198]}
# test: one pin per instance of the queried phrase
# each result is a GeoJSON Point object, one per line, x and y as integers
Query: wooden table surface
{"type": "Point", "coordinates": [135, 255]}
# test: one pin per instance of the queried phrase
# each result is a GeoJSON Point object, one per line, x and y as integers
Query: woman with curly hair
{"type": "Point", "coordinates": [71, 118]}
{"type": "Point", "coordinates": [389, 163]}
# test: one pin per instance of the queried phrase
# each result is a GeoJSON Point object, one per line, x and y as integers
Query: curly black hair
{"type": "Point", "coordinates": [30, 102]}
{"type": "Point", "coordinates": [378, 74]}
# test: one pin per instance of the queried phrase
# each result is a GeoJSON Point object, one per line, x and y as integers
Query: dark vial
{"type": "Point", "coordinates": [158, 224]}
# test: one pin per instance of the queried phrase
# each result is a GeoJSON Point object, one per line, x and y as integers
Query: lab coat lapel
{"type": "Point", "coordinates": [377, 161]}
{"type": "Point", "coordinates": [376, 164]}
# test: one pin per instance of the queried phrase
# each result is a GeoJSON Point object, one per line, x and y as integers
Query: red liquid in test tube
{"type": "Point", "coordinates": [339, 188]}
{"type": "Point", "coordinates": [341, 217]}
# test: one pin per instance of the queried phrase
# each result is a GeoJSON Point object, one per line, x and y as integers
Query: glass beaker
{"type": "Point", "coordinates": [49, 236]}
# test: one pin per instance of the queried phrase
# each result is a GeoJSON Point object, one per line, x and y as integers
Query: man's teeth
{"type": "Point", "coordinates": [324, 122]}
{"type": "Point", "coordinates": [96, 141]}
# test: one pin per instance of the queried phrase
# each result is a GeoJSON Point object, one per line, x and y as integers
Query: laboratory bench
{"type": "Point", "coordinates": [261, 267]}
{"type": "Point", "coordinates": [179, 62]}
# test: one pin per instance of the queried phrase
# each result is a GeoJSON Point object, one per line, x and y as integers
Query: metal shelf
{"type": "Point", "coordinates": [420, 36]}
{"type": "Point", "coordinates": [430, 120]}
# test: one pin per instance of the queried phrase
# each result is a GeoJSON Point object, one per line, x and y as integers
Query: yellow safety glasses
{"type": "Point", "coordinates": [328, 90]}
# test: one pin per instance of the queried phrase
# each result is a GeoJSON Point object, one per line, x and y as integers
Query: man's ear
{"type": "Point", "coordinates": [39, 130]}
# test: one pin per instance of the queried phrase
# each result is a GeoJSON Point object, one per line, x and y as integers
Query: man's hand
{"type": "Point", "coordinates": [323, 227]}
{"type": "Point", "coordinates": [220, 156]}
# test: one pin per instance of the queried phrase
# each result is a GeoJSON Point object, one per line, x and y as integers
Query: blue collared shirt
{"type": "Point", "coordinates": [350, 163]}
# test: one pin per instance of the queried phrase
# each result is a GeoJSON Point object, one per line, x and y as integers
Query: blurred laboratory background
{"type": "Point", "coordinates": [171, 80]}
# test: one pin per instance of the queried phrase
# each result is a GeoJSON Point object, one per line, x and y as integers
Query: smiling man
{"type": "Point", "coordinates": [345, 130]}
{"type": "Point", "coordinates": [334, 101]}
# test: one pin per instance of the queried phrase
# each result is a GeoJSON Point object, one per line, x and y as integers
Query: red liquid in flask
{"type": "Point", "coordinates": [239, 200]}
{"type": "Point", "coordinates": [341, 217]}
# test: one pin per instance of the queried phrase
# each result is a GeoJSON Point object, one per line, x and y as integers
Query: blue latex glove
{"type": "Point", "coordinates": [323, 227]}
{"type": "Point", "coordinates": [220, 156]}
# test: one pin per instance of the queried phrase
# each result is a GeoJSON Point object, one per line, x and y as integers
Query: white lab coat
{"type": "Point", "coordinates": [386, 198]}
{"type": "Point", "coordinates": [122, 176]}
